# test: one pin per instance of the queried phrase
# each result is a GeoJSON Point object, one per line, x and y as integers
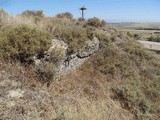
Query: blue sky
{"type": "Point", "coordinates": [110, 10]}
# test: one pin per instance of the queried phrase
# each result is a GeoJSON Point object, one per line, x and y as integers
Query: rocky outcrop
{"type": "Point", "coordinates": [57, 61]}
{"type": "Point", "coordinates": [90, 48]}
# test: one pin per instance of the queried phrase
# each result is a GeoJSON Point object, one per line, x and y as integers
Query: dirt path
{"type": "Point", "coordinates": [151, 45]}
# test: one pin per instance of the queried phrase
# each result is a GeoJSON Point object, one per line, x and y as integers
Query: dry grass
{"type": "Point", "coordinates": [71, 98]}
{"type": "Point", "coordinates": [10, 20]}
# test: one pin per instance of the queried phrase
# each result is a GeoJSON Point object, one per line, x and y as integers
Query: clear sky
{"type": "Point", "coordinates": [110, 10]}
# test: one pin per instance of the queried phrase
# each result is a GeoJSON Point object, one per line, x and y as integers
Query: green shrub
{"type": "Point", "coordinates": [103, 23]}
{"type": "Point", "coordinates": [57, 55]}
{"type": "Point", "coordinates": [81, 19]}
{"type": "Point", "coordinates": [132, 96]}
{"type": "Point", "coordinates": [90, 31]}
{"type": "Point", "coordinates": [74, 36]}
{"type": "Point", "coordinates": [135, 51]}
{"type": "Point", "coordinates": [62, 29]}
{"type": "Point", "coordinates": [51, 23]}
{"type": "Point", "coordinates": [3, 14]}
{"type": "Point", "coordinates": [35, 15]}
{"type": "Point", "coordinates": [154, 39]}
{"type": "Point", "coordinates": [107, 60]}
{"type": "Point", "coordinates": [67, 15]}
{"type": "Point", "coordinates": [46, 71]}
{"type": "Point", "coordinates": [139, 90]}
{"type": "Point", "coordinates": [102, 36]}
{"type": "Point", "coordinates": [127, 61]}
{"type": "Point", "coordinates": [135, 36]}
{"type": "Point", "coordinates": [140, 97]}
{"type": "Point", "coordinates": [129, 34]}
{"type": "Point", "coordinates": [22, 42]}
{"type": "Point", "coordinates": [95, 22]}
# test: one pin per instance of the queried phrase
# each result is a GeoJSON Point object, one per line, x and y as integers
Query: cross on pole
{"type": "Point", "coordinates": [83, 9]}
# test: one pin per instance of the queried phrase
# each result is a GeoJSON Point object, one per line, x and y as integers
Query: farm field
{"type": "Point", "coordinates": [145, 30]}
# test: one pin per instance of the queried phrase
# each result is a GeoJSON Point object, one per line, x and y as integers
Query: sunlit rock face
{"type": "Point", "coordinates": [58, 62]}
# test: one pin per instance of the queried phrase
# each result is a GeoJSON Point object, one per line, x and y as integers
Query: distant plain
{"type": "Point", "coordinates": [145, 30]}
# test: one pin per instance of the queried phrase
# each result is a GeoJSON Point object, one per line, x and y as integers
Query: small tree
{"type": "Point", "coordinates": [36, 15]}
{"type": "Point", "coordinates": [33, 13]}
{"type": "Point", "coordinates": [65, 15]}
{"type": "Point", "coordinates": [94, 22]}
{"type": "Point", "coordinates": [103, 23]}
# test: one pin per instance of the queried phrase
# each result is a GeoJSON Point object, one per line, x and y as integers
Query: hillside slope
{"type": "Point", "coordinates": [76, 96]}
{"type": "Point", "coordinates": [119, 81]}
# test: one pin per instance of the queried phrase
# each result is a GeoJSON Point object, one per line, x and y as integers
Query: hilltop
{"type": "Point", "coordinates": [61, 68]}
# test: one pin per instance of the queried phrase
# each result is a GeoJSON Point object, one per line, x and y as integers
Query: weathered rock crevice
{"type": "Point", "coordinates": [58, 61]}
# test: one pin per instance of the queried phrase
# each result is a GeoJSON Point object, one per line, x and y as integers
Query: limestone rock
{"type": "Point", "coordinates": [91, 47]}
{"type": "Point", "coordinates": [16, 93]}
{"type": "Point", "coordinates": [63, 62]}
{"type": "Point", "coordinates": [57, 51]}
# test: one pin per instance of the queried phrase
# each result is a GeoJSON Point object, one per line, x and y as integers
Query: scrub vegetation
{"type": "Point", "coordinates": [120, 81]}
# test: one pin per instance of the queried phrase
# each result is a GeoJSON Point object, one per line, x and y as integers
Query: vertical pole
{"type": "Point", "coordinates": [83, 9]}
{"type": "Point", "coordinates": [82, 14]}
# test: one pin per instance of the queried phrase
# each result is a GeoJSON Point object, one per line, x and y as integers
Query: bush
{"type": "Point", "coordinates": [81, 19]}
{"type": "Point", "coordinates": [3, 15]}
{"type": "Point", "coordinates": [74, 36]}
{"type": "Point", "coordinates": [51, 23]}
{"type": "Point", "coordinates": [141, 98]}
{"type": "Point", "coordinates": [95, 22]}
{"type": "Point", "coordinates": [138, 90]}
{"type": "Point", "coordinates": [135, 36]}
{"type": "Point", "coordinates": [129, 34]}
{"type": "Point", "coordinates": [46, 71]}
{"type": "Point", "coordinates": [67, 15]}
{"type": "Point", "coordinates": [102, 36]}
{"type": "Point", "coordinates": [35, 15]}
{"type": "Point", "coordinates": [132, 96]}
{"type": "Point", "coordinates": [103, 23]}
{"type": "Point", "coordinates": [22, 42]}
{"type": "Point", "coordinates": [90, 31]}
{"type": "Point", "coordinates": [107, 60]}
{"type": "Point", "coordinates": [154, 39]}
{"type": "Point", "coordinates": [57, 55]}
{"type": "Point", "coordinates": [135, 51]}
